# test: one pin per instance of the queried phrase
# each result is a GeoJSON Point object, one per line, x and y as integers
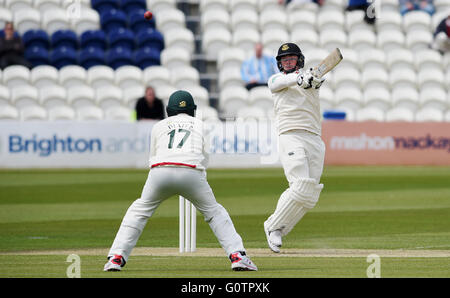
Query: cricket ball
{"type": "Point", "coordinates": [148, 15]}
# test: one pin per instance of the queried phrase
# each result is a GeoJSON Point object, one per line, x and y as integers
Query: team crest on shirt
{"type": "Point", "coordinates": [182, 104]}
{"type": "Point", "coordinates": [285, 47]}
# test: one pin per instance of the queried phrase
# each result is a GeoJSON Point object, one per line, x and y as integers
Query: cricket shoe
{"type": "Point", "coordinates": [115, 263]}
{"type": "Point", "coordinates": [240, 262]}
{"type": "Point", "coordinates": [273, 238]}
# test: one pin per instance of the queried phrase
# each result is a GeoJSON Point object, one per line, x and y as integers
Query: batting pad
{"type": "Point", "coordinates": [301, 197]}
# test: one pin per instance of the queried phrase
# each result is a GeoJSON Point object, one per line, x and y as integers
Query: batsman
{"type": "Point", "coordinates": [302, 151]}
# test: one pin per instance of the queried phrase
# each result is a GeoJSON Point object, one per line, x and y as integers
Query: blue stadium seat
{"type": "Point", "coordinates": [37, 37]}
{"type": "Point", "coordinates": [151, 38]}
{"type": "Point", "coordinates": [117, 57]}
{"type": "Point", "coordinates": [145, 57]}
{"type": "Point", "coordinates": [104, 5]}
{"type": "Point", "coordinates": [91, 56]}
{"type": "Point", "coordinates": [137, 22]}
{"type": "Point", "coordinates": [131, 5]}
{"type": "Point", "coordinates": [64, 38]}
{"type": "Point", "coordinates": [63, 56]}
{"type": "Point", "coordinates": [37, 55]}
{"type": "Point", "coordinates": [113, 19]}
{"type": "Point", "coordinates": [93, 38]}
{"type": "Point", "coordinates": [121, 37]}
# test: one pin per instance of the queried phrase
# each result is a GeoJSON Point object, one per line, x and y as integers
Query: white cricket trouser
{"type": "Point", "coordinates": [302, 156]}
{"type": "Point", "coordinates": [162, 183]}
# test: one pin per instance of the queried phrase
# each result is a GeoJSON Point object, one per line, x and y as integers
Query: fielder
{"type": "Point", "coordinates": [178, 158]}
{"type": "Point", "coordinates": [302, 151]}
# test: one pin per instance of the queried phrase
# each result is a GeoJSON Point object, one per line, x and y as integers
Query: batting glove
{"type": "Point", "coordinates": [302, 81]}
{"type": "Point", "coordinates": [313, 82]}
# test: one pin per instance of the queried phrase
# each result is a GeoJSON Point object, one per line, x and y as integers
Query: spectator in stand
{"type": "Point", "coordinates": [11, 48]}
{"type": "Point", "coordinates": [149, 107]}
{"type": "Point", "coordinates": [256, 70]}
{"type": "Point", "coordinates": [410, 5]}
{"type": "Point", "coordinates": [363, 5]}
{"type": "Point", "coordinates": [441, 41]}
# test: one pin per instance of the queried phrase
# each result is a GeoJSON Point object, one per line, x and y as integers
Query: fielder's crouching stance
{"type": "Point", "coordinates": [178, 158]}
{"type": "Point", "coordinates": [302, 151]}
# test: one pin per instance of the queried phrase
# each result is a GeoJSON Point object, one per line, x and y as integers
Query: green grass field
{"type": "Point", "coordinates": [366, 209]}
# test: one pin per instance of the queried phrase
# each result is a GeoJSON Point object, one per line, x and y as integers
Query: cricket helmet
{"type": "Point", "coordinates": [181, 102]}
{"type": "Point", "coordinates": [288, 49]}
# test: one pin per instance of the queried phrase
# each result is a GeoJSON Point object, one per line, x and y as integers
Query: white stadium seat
{"type": "Point", "coordinates": [215, 19]}
{"type": "Point", "coordinates": [245, 39]}
{"type": "Point", "coordinates": [346, 77]}
{"type": "Point", "coordinates": [81, 96]}
{"type": "Point", "coordinates": [5, 95]}
{"type": "Point", "coordinates": [170, 19]}
{"type": "Point", "coordinates": [354, 20]}
{"type": "Point", "coordinates": [54, 20]}
{"type": "Point", "coordinates": [156, 75]}
{"type": "Point", "coordinates": [52, 95]}
{"type": "Point", "coordinates": [400, 59]}
{"type": "Point", "coordinates": [326, 97]}
{"type": "Point", "coordinates": [230, 77]}
{"type": "Point", "coordinates": [301, 19]}
{"type": "Point", "coordinates": [405, 97]}
{"type": "Point", "coordinates": [333, 38]}
{"type": "Point", "coordinates": [429, 115]}
{"type": "Point", "coordinates": [28, 19]}
{"type": "Point", "coordinates": [72, 75]}
{"type": "Point", "coordinates": [132, 94]}
{"type": "Point", "coordinates": [16, 5]}
{"type": "Point", "coordinates": [211, 5]}
{"type": "Point", "coordinates": [251, 113]}
{"type": "Point", "coordinates": [389, 5]}
{"type": "Point", "coordinates": [351, 58]}
{"type": "Point", "coordinates": [127, 76]}
{"type": "Point", "coordinates": [44, 75]}
{"type": "Point", "coordinates": [428, 59]}
{"type": "Point", "coordinates": [15, 75]}
{"type": "Point", "coordinates": [431, 78]}
{"type": "Point", "coordinates": [156, 6]}
{"type": "Point", "coordinates": [402, 78]}
{"type": "Point", "coordinates": [33, 113]}
{"type": "Point", "coordinates": [172, 57]}
{"type": "Point", "coordinates": [418, 40]}
{"type": "Point", "coordinates": [388, 40]}
{"type": "Point", "coordinates": [416, 20]}
{"type": "Point", "coordinates": [61, 113]}
{"type": "Point", "coordinates": [272, 39]}
{"type": "Point", "coordinates": [306, 39]}
{"type": "Point", "coordinates": [207, 113]}
{"type": "Point", "coordinates": [230, 57]}
{"type": "Point", "coordinates": [24, 95]}
{"type": "Point", "coordinates": [374, 78]}
{"type": "Point", "coordinates": [8, 112]}
{"type": "Point", "coordinates": [348, 98]}
{"type": "Point", "coordinates": [272, 19]}
{"type": "Point", "coordinates": [399, 114]}
{"type": "Point", "coordinates": [89, 113]}
{"type": "Point", "coordinates": [361, 40]}
{"type": "Point", "coordinates": [180, 37]}
{"type": "Point", "coordinates": [5, 16]}
{"type": "Point", "coordinates": [163, 92]}
{"type": "Point", "coordinates": [44, 5]}
{"type": "Point", "coordinates": [234, 5]}
{"type": "Point", "coordinates": [89, 19]}
{"type": "Point", "coordinates": [232, 99]}
{"type": "Point", "coordinates": [432, 97]}
{"type": "Point", "coordinates": [369, 114]}
{"type": "Point", "coordinates": [108, 96]}
{"type": "Point", "coordinates": [213, 40]}
{"type": "Point", "coordinates": [269, 5]}
{"type": "Point", "coordinates": [200, 94]}
{"type": "Point", "coordinates": [100, 75]}
{"type": "Point", "coordinates": [330, 19]}
{"type": "Point", "coordinates": [118, 113]}
{"type": "Point", "coordinates": [183, 77]}
{"type": "Point", "coordinates": [244, 19]}
{"type": "Point", "coordinates": [372, 59]}
{"type": "Point", "coordinates": [391, 20]}
{"type": "Point", "coordinates": [314, 56]}
{"type": "Point", "coordinates": [377, 97]}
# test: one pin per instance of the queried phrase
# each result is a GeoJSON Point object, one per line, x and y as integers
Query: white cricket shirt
{"type": "Point", "coordinates": [178, 141]}
{"type": "Point", "coordinates": [294, 107]}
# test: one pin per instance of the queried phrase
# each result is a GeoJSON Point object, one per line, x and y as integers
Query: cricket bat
{"type": "Point", "coordinates": [328, 63]}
